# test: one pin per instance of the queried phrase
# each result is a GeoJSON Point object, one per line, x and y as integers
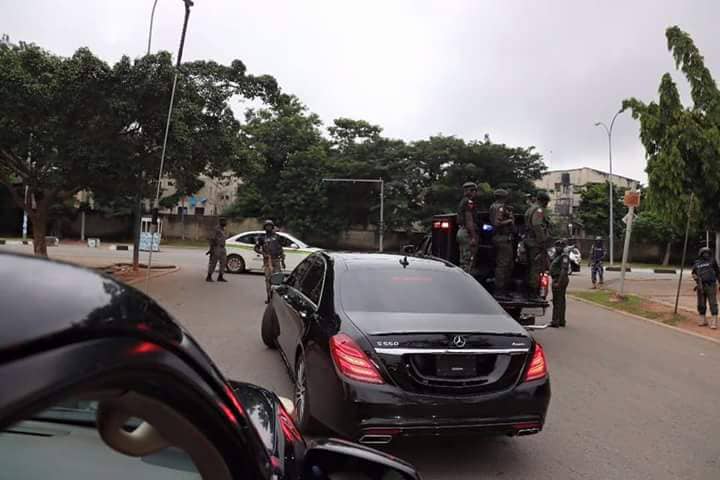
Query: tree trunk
{"type": "Point", "coordinates": [666, 258]}
{"type": "Point", "coordinates": [39, 224]}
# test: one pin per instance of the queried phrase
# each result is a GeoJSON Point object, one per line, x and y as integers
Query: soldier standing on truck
{"type": "Point", "coordinates": [537, 242]}
{"type": "Point", "coordinates": [501, 218]}
{"type": "Point", "coordinates": [468, 235]}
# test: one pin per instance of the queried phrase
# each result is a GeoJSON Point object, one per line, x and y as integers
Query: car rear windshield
{"type": "Point", "coordinates": [399, 290]}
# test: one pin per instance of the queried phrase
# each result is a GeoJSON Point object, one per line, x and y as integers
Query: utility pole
{"type": "Point", "coordinates": [156, 203]}
{"type": "Point", "coordinates": [609, 130]}
{"type": "Point", "coordinates": [684, 254]}
{"type": "Point", "coordinates": [382, 201]}
{"type": "Point", "coordinates": [632, 200]}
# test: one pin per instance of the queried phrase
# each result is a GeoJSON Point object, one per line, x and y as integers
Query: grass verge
{"type": "Point", "coordinates": [632, 304]}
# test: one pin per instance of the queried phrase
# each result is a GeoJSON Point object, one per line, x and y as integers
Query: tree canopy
{"type": "Point", "coordinates": [593, 211]}
{"type": "Point", "coordinates": [682, 144]}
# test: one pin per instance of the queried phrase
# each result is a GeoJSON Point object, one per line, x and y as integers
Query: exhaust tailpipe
{"type": "Point", "coordinates": [527, 431]}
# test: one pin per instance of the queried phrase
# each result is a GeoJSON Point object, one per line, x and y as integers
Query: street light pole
{"type": "Point", "coordinates": [609, 130]}
{"type": "Point", "coordinates": [382, 201]}
{"type": "Point", "coordinates": [156, 203]}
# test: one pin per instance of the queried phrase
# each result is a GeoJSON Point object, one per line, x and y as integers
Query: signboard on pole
{"type": "Point", "coordinates": [632, 198]}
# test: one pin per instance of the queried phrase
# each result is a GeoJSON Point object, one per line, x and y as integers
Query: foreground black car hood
{"type": "Point", "coordinates": [378, 323]}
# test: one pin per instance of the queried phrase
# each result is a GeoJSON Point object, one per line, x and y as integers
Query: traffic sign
{"type": "Point", "coordinates": [632, 198]}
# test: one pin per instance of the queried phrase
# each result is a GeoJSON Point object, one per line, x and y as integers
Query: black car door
{"type": "Point", "coordinates": [303, 305]}
{"type": "Point", "coordinates": [284, 301]}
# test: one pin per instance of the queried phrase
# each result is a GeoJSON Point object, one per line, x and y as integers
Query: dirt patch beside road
{"type": "Point", "coordinates": [125, 273]}
{"type": "Point", "coordinates": [646, 308]}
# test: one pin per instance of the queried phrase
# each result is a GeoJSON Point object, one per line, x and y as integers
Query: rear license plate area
{"type": "Point", "coordinates": [455, 366]}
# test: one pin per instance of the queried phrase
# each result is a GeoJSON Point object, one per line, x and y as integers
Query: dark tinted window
{"type": "Point", "coordinates": [311, 284]}
{"type": "Point", "coordinates": [389, 289]}
{"type": "Point", "coordinates": [284, 241]}
{"type": "Point", "coordinates": [297, 275]}
{"type": "Point", "coordinates": [249, 238]}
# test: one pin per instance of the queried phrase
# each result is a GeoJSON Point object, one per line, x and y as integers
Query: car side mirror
{"type": "Point", "coordinates": [338, 459]}
{"type": "Point", "coordinates": [408, 249]}
{"type": "Point", "coordinates": [277, 279]}
{"type": "Point", "coordinates": [294, 245]}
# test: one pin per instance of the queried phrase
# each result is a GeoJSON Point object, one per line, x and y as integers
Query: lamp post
{"type": "Point", "coordinates": [609, 130]}
{"type": "Point", "coordinates": [382, 200]}
{"type": "Point", "coordinates": [156, 203]}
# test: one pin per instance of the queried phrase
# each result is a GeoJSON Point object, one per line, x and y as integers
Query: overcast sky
{"type": "Point", "coordinates": [525, 72]}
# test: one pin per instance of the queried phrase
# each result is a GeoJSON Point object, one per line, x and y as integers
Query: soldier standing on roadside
{"type": "Point", "coordinates": [537, 242]}
{"type": "Point", "coordinates": [560, 273]}
{"type": "Point", "coordinates": [468, 235]}
{"type": "Point", "coordinates": [501, 218]}
{"type": "Point", "coordinates": [269, 247]}
{"type": "Point", "coordinates": [706, 273]}
{"type": "Point", "coordinates": [217, 251]}
{"type": "Point", "coordinates": [597, 255]}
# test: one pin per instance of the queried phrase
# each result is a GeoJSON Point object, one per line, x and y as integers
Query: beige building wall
{"type": "Point", "coordinates": [565, 197]}
{"type": "Point", "coordinates": [216, 195]}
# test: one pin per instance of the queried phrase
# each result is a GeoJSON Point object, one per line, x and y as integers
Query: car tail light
{"type": "Point", "coordinates": [538, 365]}
{"type": "Point", "coordinates": [351, 361]}
{"type": "Point", "coordinates": [544, 281]}
{"type": "Point", "coordinates": [290, 430]}
{"type": "Point", "coordinates": [441, 224]}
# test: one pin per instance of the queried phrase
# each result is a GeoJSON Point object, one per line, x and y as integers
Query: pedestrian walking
{"type": "Point", "coordinates": [468, 235]}
{"type": "Point", "coordinates": [217, 251]}
{"type": "Point", "coordinates": [597, 255]}
{"type": "Point", "coordinates": [706, 272]}
{"type": "Point", "coordinates": [268, 245]}
{"type": "Point", "coordinates": [501, 218]}
{"type": "Point", "coordinates": [560, 274]}
{"type": "Point", "coordinates": [537, 241]}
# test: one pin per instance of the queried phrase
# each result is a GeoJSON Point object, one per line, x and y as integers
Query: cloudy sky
{"type": "Point", "coordinates": [525, 72]}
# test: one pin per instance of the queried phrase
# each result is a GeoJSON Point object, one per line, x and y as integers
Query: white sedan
{"type": "Point", "coordinates": [241, 256]}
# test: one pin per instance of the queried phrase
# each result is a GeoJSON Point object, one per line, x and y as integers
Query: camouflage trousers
{"type": "Point", "coordinates": [467, 252]}
{"type": "Point", "coordinates": [217, 255]}
{"type": "Point", "coordinates": [558, 300]}
{"type": "Point", "coordinates": [707, 294]}
{"type": "Point", "coordinates": [504, 257]}
{"type": "Point", "coordinates": [538, 263]}
{"type": "Point", "coordinates": [597, 272]}
{"type": "Point", "coordinates": [270, 266]}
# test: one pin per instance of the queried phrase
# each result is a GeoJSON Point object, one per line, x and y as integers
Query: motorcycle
{"type": "Point", "coordinates": [573, 253]}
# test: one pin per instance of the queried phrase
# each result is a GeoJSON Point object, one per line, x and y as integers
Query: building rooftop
{"type": "Point", "coordinates": [565, 170]}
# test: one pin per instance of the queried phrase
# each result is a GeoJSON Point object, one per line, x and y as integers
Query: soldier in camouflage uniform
{"type": "Point", "coordinates": [501, 218]}
{"type": "Point", "coordinates": [560, 273]}
{"type": "Point", "coordinates": [537, 242]}
{"type": "Point", "coordinates": [468, 234]}
{"type": "Point", "coordinates": [706, 273]}
{"type": "Point", "coordinates": [269, 247]}
{"type": "Point", "coordinates": [217, 252]}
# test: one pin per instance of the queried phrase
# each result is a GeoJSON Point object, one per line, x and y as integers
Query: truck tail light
{"type": "Point", "coordinates": [352, 362]}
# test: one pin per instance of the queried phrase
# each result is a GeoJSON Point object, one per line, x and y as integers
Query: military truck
{"type": "Point", "coordinates": [441, 243]}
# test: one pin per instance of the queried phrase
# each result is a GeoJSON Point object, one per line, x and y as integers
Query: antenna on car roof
{"type": "Point", "coordinates": [404, 262]}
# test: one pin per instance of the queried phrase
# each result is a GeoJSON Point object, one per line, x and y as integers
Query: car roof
{"type": "Point", "coordinates": [47, 301]}
{"type": "Point", "coordinates": [380, 260]}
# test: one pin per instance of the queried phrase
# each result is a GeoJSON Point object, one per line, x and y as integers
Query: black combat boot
{"type": "Point", "coordinates": [208, 278]}
{"type": "Point", "coordinates": [221, 279]}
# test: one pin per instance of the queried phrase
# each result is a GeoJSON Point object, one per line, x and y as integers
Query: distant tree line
{"type": "Point", "coordinates": [69, 124]}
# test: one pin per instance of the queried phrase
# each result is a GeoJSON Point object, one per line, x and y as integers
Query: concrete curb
{"type": "Point", "coordinates": [638, 317]}
{"type": "Point", "coordinates": [153, 275]}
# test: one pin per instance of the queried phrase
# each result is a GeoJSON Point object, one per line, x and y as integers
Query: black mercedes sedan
{"type": "Point", "coordinates": [99, 381]}
{"type": "Point", "coordinates": [381, 346]}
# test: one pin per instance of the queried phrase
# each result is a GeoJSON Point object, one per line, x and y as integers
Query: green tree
{"type": "Point", "coordinates": [55, 123]}
{"type": "Point", "coordinates": [682, 144]}
{"type": "Point", "coordinates": [594, 212]}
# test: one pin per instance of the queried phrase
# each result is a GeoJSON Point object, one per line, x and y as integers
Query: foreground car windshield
{"type": "Point", "coordinates": [414, 291]}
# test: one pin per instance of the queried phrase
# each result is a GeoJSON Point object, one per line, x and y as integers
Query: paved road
{"type": "Point", "coordinates": [631, 400]}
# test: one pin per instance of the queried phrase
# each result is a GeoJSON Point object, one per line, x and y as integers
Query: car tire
{"type": "Point", "coordinates": [269, 328]}
{"type": "Point", "coordinates": [303, 416]}
{"type": "Point", "coordinates": [235, 264]}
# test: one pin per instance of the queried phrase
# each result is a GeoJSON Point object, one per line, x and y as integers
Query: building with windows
{"type": "Point", "coordinates": [215, 196]}
{"type": "Point", "coordinates": [564, 187]}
